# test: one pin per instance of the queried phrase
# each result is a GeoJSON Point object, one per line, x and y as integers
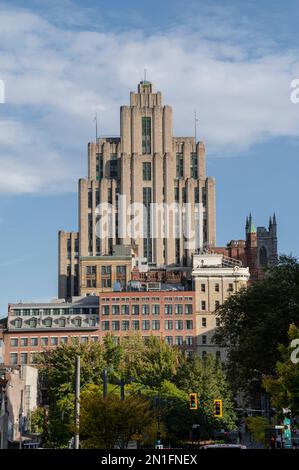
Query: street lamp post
{"type": "Point", "coordinates": [77, 402]}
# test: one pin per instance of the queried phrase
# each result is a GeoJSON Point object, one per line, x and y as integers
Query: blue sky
{"type": "Point", "coordinates": [62, 61]}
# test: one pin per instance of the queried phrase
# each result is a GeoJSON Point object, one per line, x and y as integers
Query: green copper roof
{"type": "Point", "coordinates": [251, 227]}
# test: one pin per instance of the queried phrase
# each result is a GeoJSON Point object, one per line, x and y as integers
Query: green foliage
{"type": "Point", "coordinates": [37, 420]}
{"type": "Point", "coordinates": [105, 423]}
{"type": "Point", "coordinates": [254, 321]}
{"type": "Point", "coordinates": [151, 370]}
{"type": "Point", "coordinates": [257, 426]}
{"type": "Point", "coordinates": [284, 386]}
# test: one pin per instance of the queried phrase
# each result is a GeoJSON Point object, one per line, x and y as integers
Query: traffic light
{"type": "Point", "coordinates": [218, 408]}
{"type": "Point", "coordinates": [193, 401]}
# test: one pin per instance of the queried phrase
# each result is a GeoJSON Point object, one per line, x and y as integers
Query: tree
{"type": "Point", "coordinates": [284, 386]}
{"type": "Point", "coordinates": [254, 320]}
{"type": "Point", "coordinates": [257, 426]}
{"type": "Point", "coordinates": [105, 423]}
{"type": "Point", "coordinates": [151, 370]}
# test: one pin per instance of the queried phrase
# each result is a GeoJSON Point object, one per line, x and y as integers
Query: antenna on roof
{"type": "Point", "coordinates": [195, 125]}
{"type": "Point", "coordinates": [96, 121]}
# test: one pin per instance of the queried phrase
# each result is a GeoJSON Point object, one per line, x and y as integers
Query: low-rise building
{"type": "Point", "coordinates": [167, 313]}
{"type": "Point", "coordinates": [215, 277]}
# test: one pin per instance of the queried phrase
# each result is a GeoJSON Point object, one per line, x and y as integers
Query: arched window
{"type": "Point", "coordinates": [263, 256]}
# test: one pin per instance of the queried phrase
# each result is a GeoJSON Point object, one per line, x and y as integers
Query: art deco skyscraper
{"type": "Point", "coordinates": [145, 165]}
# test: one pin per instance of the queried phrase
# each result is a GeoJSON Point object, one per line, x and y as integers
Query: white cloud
{"type": "Point", "coordinates": [57, 77]}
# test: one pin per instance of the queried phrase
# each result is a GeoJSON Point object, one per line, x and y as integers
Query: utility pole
{"type": "Point", "coordinates": [105, 383]}
{"type": "Point", "coordinates": [122, 389]}
{"type": "Point", "coordinates": [77, 402]}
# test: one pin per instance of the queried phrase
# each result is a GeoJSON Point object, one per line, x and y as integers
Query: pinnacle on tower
{"type": "Point", "coordinates": [270, 223]}
{"type": "Point", "coordinates": [246, 225]}
{"type": "Point", "coordinates": [251, 227]}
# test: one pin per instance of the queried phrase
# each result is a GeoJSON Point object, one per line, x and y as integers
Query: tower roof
{"type": "Point", "coordinates": [251, 227]}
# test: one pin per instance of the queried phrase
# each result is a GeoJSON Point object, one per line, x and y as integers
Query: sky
{"type": "Point", "coordinates": [62, 61]}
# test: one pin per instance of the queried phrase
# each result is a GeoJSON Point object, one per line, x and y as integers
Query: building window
{"type": "Point", "coordinates": [33, 341]}
{"type": "Point", "coordinates": [147, 241]}
{"type": "Point", "coordinates": [14, 342]}
{"type": "Point", "coordinates": [23, 342]}
{"type": "Point", "coordinates": [176, 194]}
{"type": "Point", "coordinates": [91, 270]}
{"type": "Point", "coordinates": [189, 340]}
{"type": "Point", "coordinates": [179, 165]}
{"type": "Point", "coordinates": [194, 165]}
{"type": "Point", "coordinates": [23, 358]}
{"type": "Point", "coordinates": [169, 340]}
{"type": "Point", "coordinates": [106, 283]}
{"type": "Point", "coordinates": [48, 322]}
{"type": "Point", "coordinates": [179, 341]}
{"type": "Point", "coordinates": [145, 309]}
{"type": "Point", "coordinates": [32, 323]}
{"type": "Point", "coordinates": [188, 309]}
{"type": "Point", "coordinates": [203, 339]}
{"type": "Point", "coordinates": [77, 322]}
{"type": "Point", "coordinates": [13, 358]}
{"type": "Point", "coordinates": [230, 288]}
{"type": "Point", "coordinates": [146, 135]}
{"type": "Point", "coordinates": [168, 309]}
{"type": "Point", "coordinates": [147, 171]}
{"type": "Point", "coordinates": [63, 339]}
{"type": "Point", "coordinates": [168, 324]}
{"type": "Point", "coordinates": [135, 309]}
{"type": "Point", "coordinates": [125, 310]}
{"type": "Point", "coordinates": [94, 339]}
{"type": "Point", "coordinates": [115, 325]}
{"type": "Point", "coordinates": [44, 341]}
{"type": "Point", "coordinates": [99, 166]}
{"type": "Point", "coordinates": [217, 304]}
{"type": "Point", "coordinates": [189, 324]}
{"type": "Point", "coordinates": [105, 325]}
{"type": "Point", "coordinates": [156, 324]}
{"type": "Point", "coordinates": [125, 325]}
{"type": "Point", "coordinates": [179, 324]}
{"type": "Point", "coordinates": [196, 195]}
{"type": "Point", "coordinates": [178, 309]}
{"type": "Point", "coordinates": [115, 309]}
{"type": "Point", "coordinates": [18, 323]}
{"type": "Point", "coordinates": [61, 322]}
{"type": "Point", "coordinates": [204, 322]}
{"type": "Point", "coordinates": [203, 305]}
{"type": "Point", "coordinates": [155, 309]}
{"type": "Point", "coordinates": [217, 322]}
{"type": "Point", "coordinates": [91, 283]}
{"type": "Point", "coordinates": [204, 355]}
{"type": "Point", "coordinates": [105, 310]}
{"type": "Point", "coordinates": [146, 325]}
{"type": "Point", "coordinates": [84, 339]}
{"type": "Point", "coordinates": [90, 199]}
{"type": "Point", "coordinates": [217, 288]}
{"type": "Point", "coordinates": [203, 287]}
{"type": "Point", "coordinates": [54, 341]}
{"type": "Point", "coordinates": [135, 325]}
{"type": "Point", "coordinates": [218, 355]}
{"type": "Point", "coordinates": [177, 251]}
{"type": "Point", "coordinates": [113, 166]}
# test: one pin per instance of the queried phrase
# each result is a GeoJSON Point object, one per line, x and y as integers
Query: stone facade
{"type": "Point", "coordinates": [145, 165]}
{"type": "Point", "coordinates": [215, 277]}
